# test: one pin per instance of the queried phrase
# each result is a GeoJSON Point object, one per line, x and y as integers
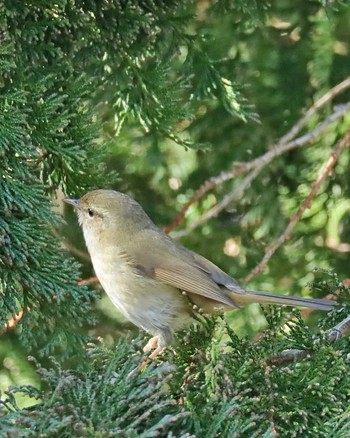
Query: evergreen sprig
{"type": "Point", "coordinates": [214, 383]}
{"type": "Point", "coordinates": [110, 398]}
{"type": "Point", "coordinates": [41, 145]}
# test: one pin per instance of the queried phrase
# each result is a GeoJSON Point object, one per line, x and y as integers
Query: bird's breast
{"type": "Point", "coordinates": [148, 303]}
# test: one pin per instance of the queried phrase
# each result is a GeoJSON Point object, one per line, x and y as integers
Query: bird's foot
{"type": "Point", "coordinates": [151, 344]}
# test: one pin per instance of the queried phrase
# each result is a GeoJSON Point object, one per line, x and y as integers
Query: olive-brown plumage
{"type": "Point", "coordinates": [145, 272]}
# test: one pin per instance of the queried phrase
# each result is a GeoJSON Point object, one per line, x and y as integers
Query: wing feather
{"type": "Point", "coordinates": [173, 264]}
{"type": "Point", "coordinates": [193, 281]}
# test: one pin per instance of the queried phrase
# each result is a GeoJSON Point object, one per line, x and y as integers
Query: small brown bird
{"type": "Point", "coordinates": [151, 278]}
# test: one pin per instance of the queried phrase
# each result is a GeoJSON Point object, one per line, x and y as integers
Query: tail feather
{"type": "Point", "coordinates": [252, 296]}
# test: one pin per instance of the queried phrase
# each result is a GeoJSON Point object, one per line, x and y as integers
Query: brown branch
{"type": "Point", "coordinates": [11, 323]}
{"type": "Point", "coordinates": [77, 252]}
{"type": "Point", "coordinates": [287, 356]}
{"type": "Point", "coordinates": [91, 280]}
{"type": "Point", "coordinates": [238, 168]}
{"type": "Point", "coordinates": [214, 211]}
{"type": "Point", "coordinates": [211, 183]}
{"type": "Point", "coordinates": [255, 166]}
{"type": "Point", "coordinates": [281, 148]}
{"type": "Point", "coordinates": [81, 254]}
{"type": "Point", "coordinates": [337, 89]}
{"type": "Point", "coordinates": [304, 206]}
{"type": "Point", "coordinates": [339, 330]}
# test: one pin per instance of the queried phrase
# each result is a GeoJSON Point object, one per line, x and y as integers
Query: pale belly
{"type": "Point", "coordinates": [157, 308]}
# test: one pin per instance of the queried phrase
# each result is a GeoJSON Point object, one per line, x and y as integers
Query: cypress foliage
{"type": "Point", "coordinates": [39, 144]}
{"type": "Point", "coordinates": [212, 384]}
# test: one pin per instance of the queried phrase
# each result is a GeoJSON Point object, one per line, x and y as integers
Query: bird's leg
{"type": "Point", "coordinates": [155, 353]}
{"type": "Point", "coordinates": [152, 344]}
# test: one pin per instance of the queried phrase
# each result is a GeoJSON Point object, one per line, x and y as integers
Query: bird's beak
{"type": "Point", "coordinates": [74, 202]}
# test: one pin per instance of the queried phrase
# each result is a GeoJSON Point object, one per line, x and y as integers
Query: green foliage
{"type": "Point", "coordinates": [226, 378]}
{"type": "Point", "coordinates": [111, 398]}
{"type": "Point", "coordinates": [46, 144]}
{"type": "Point", "coordinates": [212, 384]}
{"type": "Point", "coordinates": [129, 51]}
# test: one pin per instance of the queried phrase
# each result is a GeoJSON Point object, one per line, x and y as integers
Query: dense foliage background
{"type": "Point", "coordinates": [155, 98]}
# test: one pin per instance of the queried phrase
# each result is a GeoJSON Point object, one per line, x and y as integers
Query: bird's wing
{"type": "Point", "coordinates": [216, 274]}
{"type": "Point", "coordinates": [171, 263]}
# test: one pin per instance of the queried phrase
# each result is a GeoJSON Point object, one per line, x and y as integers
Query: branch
{"type": "Point", "coordinates": [241, 167]}
{"type": "Point", "coordinates": [77, 252]}
{"type": "Point", "coordinates": [91, 280]}
{"type": "Point", "coordinates": [254, 166]}
{"type": "Point", "coordinates": [305, 205]}
{"type": "Point", "coordinates": [214, 211]}
{"type": "Point", "coordinates": [11, 323]}
{"type": "Point", "coordinates": [237, 169]}
{"type": "Point", "coordinates": [287, 356]}
{"type": "Point", "coordinates": [337, 89]}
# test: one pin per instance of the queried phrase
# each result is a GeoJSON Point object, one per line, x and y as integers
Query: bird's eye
{"type": "Point", "coordinates": [91, 212]}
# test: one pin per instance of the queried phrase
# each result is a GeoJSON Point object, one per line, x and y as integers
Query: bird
{"type": "Point", "coordinates": [154, 281]}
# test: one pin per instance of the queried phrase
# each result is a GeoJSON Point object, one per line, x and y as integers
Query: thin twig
{"type": "Point", "coordinates": [255, 166]}
{"type": "Point", "coordinates": [337, 89]}
{"type": "Point", "coordinates": [281, 148]}
{"type": "Point", "coordinates": [81, 254]}
{"type": "Point", "coordinates": [339, 330]}
{"type": "Point", "coordinates": [90, 280]}
{"type": "Point", "coordinates": [305, 205]}
{"type": "Point", "coordinates": [11, 323]}
{"type": "Point", "coordinates": [238, 168]}
{"type": "Point", "coordinates": [287, 356]}
{"type": "Point", "coordinates": [214, 211]}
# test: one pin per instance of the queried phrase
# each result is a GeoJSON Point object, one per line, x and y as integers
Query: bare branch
{"type": "Point", "coordinates": [212, 182]}
{"type": "Point", "coordinates": [287, 356]}
{"type": "Point", "coordinates": [255, 166]}
{"type": "Point", "coordinates": [241, 167]}
{"type": "Point", "coordinates": [339, 88]}
{"type": "Point", "coordinates": [11, 323]}
{"type": "Point", "coordinates": [91, 280]}
{"type": "Point", "coordinates": [214, 211]}
{"type": "Point", "coordinates": [77, 252]}
{"type": "Point", "coordinates": [281, 148]}
{"type": "Point", "coordinates": [340, 330]}
{"type": "Point", "coordinates": [305, 205]}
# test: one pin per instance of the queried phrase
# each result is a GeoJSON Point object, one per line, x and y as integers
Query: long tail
{"type": "Point", "coordinates": [252, 296]}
